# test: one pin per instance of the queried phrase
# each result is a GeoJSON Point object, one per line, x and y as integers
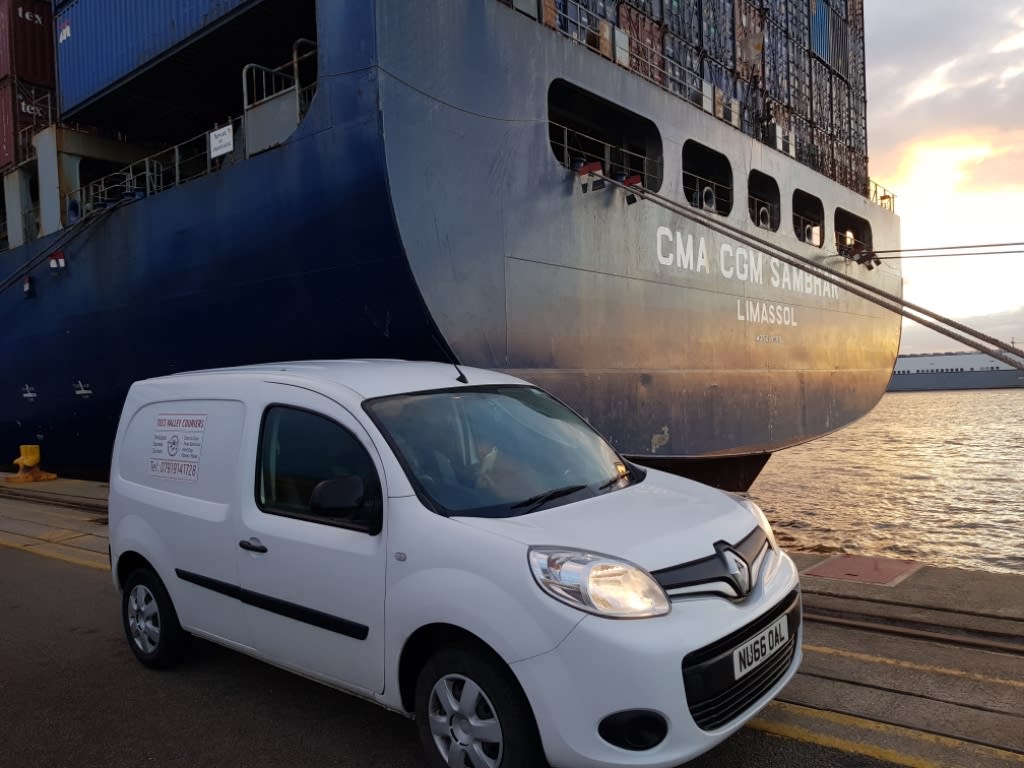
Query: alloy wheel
{"type": "Point", "coordinates": [463, 724]}
{"type": "Point", "coordinates": [143, 618]}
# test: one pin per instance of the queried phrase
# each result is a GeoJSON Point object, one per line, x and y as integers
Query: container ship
{"type": "Point", "coordinates": [603, 197]}
{"type": "Point", "coordinates": [953, 370]}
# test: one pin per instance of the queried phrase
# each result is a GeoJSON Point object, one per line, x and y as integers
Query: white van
{"type": "Point", "coordinates": [451, 544]}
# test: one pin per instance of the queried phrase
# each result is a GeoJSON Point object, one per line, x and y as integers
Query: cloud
{"type": "Point", "coordinates": [1002, 169]}
{"type": "Point", "coordinates": [946, 134]}
{"type": "Point", "coordinates": [1014, 42]}
{"type": "Point", "coordinates": [1005, 326]}
{"type": "Point", "coordinates": [927, 75]}
{"type": "Point", "coordinates": [934, 84]}
{"type": "Point", "coordinates": [984, 160]}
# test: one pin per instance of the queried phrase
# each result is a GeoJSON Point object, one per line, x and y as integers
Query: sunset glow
{"type": "Point", "coordinates": [944, 135]}
{"type": "Point", "coordinates": [942, 201]}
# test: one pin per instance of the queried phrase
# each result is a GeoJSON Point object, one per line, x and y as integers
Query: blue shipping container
{"type": "Point", "coordinates": [100, 42]}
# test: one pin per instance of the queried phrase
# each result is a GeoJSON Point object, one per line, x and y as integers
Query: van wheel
{"type": "Point", "coordinates": [471, 713]}
{"type": "Point", "coordinates": [150, 621]}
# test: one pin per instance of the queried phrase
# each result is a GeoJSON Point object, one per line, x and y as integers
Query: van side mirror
{"type": "Point", "coordinates": [337, 496]}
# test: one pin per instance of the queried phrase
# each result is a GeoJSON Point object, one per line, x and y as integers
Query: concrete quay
{"type": "Point", "coordinates": [905, 664]}
{"type": "Point", "coordinates": [62, 519]}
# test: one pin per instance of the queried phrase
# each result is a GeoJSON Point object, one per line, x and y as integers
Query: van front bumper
{"type": "Point", "coordinates": [674, 673]}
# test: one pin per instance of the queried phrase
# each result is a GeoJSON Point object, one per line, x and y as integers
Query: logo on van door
{"type": "Point", "coordinates": [177, 446]}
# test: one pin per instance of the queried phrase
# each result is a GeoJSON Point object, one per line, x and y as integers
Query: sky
{"type": "Point", "coordinates": [945, 84]}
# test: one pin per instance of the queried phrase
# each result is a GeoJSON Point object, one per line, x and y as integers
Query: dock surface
{"type": "Point", "coordinates": [904, 664]}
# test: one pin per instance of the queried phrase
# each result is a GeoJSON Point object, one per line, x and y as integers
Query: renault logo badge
{"type": "Point", "coordinates": [738, 570]}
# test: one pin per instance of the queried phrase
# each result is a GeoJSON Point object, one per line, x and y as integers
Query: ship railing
{"type": "Point", "coordinates": [882, 196]}
{"type": "Point", "coordinates": [276, 99]}
{"type": "Point", "coordinates": [151, 175]}
{"type": "Point", "coordinates": [582, 25]}
{"type": "Point", "coordinates": [575, 149]}
{"type": "Point", "coordinates": [260, 84]}
{"type": "Point", "coordinates": [695, 189]}
{"type": "Point", "coordinates": [140, 179]}
{"type": "Point", "coordinates": [808, 229]}
{"type": "Point", "coordinates": [193, 159]}
{"type": "Point", "coordinates": [726, 101]}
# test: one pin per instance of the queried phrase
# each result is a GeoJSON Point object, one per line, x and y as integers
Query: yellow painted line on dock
{"type": "Point", "coordinates": [86, 559]}
{"type": "Point", "coordinates": [912, 665]}
{"type": "Point", "coordinates": [60, 535]}
{"type": "Point", "coordinates": [843, 745]}
{"type": "Point", "coordinates": [902, 758]}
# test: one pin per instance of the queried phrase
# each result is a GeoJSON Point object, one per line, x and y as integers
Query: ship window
{"type": "Point", "coordinates": [707, 178]}
{"type": "Point", "coordinates": [853, 234]}
{"type": "Point", "coordinates": [763, 200]}
{"type": "Point", "coordinates": [585, 128]}
{"type": "Point", "coordinates": [808, 218]}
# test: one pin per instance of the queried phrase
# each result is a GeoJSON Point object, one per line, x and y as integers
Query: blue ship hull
{"type": "Point", "coordinates": [418, 212]}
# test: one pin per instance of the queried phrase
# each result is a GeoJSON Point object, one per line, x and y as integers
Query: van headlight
{"type": "Point", "coordinates": [597, 583]}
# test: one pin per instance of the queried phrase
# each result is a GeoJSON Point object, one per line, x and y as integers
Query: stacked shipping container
{"type": "Point", "coordinates": [795, 66]}
{"type": "Point", "coordinates": [828, 100]}
{"type": "Point", "coordinates": [88, 66]}
{"type": "Point", "coordinates": [646, 41]}
{"type": "Point", "coordinates": [26, 76]}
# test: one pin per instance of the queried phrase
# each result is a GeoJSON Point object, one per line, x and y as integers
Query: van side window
{"type": "Point", "coordinates": [313, 468]}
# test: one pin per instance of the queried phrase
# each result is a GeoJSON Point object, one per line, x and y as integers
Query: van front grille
{"type": "Point", "coordinates": [714, 697]}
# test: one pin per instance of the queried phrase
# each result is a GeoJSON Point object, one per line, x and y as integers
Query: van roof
{"type": "Point", "coordinates": [367, 378]}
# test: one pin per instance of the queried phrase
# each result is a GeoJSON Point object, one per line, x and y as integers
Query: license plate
{"type": "Point", "coordinates": [760, 648]}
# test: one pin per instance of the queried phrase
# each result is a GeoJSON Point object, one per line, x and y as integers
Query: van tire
{"type": "Point", "coordinates": [500, 703]}
{"type": "Point", "coordinates": [150, 621]}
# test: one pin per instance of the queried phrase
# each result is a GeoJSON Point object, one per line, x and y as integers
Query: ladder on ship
{"type": "Point", "coordinates": [589, 171]}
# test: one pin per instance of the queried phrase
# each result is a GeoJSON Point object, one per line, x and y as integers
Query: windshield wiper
{"type": "Point", "coordinates": [534, 502]}
{"type": "Point", "coordinates": [610, 483]}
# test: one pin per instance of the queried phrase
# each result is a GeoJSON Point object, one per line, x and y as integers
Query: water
{"type": "Point", "coordinates": [936, 477]}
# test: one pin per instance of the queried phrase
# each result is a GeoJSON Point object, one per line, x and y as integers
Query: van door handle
{"type": "Point", "coordinates": [252, 545]}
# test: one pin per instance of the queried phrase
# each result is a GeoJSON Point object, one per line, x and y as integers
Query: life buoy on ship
{"type": "Point", "coordinates": [708, 198]}
{"type": "Point", "coordinates": [809, 234]}
{"type": "Point", "coordinates": [764, 219]}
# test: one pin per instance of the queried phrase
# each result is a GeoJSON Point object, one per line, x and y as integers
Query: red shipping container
{"type": "Point", "coordinates": [26, 41]}
{"type": "Point", "coordinates": [24, 110]}
{"type": "Point", "coordinates": [646, 43]}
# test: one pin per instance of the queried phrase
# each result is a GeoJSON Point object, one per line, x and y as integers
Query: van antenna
{"type": "Point", "coordinates": [461, 377]}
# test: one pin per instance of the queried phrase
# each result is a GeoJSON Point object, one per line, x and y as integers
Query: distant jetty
{"type": "Point", "coordinates": [953, 370]}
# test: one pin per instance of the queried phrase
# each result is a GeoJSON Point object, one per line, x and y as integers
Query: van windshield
{"type": "Point", "coordinates": [496, 451]}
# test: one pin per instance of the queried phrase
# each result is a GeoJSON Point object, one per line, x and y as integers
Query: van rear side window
{"type": "Point", "coordinates": [301, 450]}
